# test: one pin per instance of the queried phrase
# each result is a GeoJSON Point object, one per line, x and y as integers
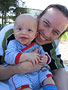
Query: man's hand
{"type": "Point", "coordinates": [33, 57]}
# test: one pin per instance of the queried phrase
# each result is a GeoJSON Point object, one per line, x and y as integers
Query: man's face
{"type": "Point", "coordinates": [51, 25]}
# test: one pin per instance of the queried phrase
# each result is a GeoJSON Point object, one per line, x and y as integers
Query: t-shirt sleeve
{"type": "Point", "coordinates": [12, 55]}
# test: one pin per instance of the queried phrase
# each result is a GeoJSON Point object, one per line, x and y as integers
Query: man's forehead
{"type": "Point", "coordinates": [54, 13]}
{"type": "Point", "coordinates": [53, 10]}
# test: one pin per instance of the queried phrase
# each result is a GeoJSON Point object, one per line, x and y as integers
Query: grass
{"type": "Point", "coordinates": [64, 36]}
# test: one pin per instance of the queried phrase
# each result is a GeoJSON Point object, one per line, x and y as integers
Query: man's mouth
{"type": "Point", "coordinates": [42, 37]}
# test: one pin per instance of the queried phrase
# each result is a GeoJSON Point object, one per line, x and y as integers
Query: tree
{"type": "Point", "coordinates": [4, 7]}
{"type": "Point", "coordinates": [20, 10]}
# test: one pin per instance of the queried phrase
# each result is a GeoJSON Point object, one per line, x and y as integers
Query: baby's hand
{"type": "Point", "coordinates": [33, 57]}
{"type": "Point", "coordinates": [43, 58]}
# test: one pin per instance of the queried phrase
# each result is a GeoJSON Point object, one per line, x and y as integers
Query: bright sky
{"type": "Point", "coordinates": [42, 4]}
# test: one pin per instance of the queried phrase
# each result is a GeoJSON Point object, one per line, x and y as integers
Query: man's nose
{"type": "Point", "coordinates": [48, 32]}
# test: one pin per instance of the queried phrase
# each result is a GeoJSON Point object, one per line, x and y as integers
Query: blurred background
{"type": "Point", "coordinates": [10, 9]}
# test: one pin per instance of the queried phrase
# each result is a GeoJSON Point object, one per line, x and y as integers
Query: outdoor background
{"type": "Point", "coordinates": [10, 9]}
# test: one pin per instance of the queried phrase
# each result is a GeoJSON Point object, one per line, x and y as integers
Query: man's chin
{"type": "Point", "coordinates": [42, 42]}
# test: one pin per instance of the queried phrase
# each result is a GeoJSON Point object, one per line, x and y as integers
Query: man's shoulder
{"type": "Point", "coordinates": [55, 43]}
{"type": "Point", "coordinates": [5, 34]}
{"type": "Point", "coordinates": [6, 28]}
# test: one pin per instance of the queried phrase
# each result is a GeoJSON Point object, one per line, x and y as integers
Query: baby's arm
{"type": "Point", "coordinates": [11, 53]}
{"type": "Point", "coordinates": [13, 56]}
{"type": "Point", "coordinates": [32, 57]}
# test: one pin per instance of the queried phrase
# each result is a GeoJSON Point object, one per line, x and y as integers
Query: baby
{"type": "Point", "coordinates": [21, 49]}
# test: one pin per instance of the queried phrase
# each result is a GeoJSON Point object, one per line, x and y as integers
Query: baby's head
{"type": "Point", "coordinates": [25, 28]}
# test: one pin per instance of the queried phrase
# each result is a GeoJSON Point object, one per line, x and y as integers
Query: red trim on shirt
{"type": "Point", "coordinates": [28, 47]}
{"type": "Point", "coordinates": [24, 86]}
{"type": "Point", "coordinates": [13, 82]}
{"type": "Point", "coordinates": [49, 75]}
{"type": "Point", "coordinates": [48, 59]}
{"type": "Point", "coordinates": [17, 58]}
{"type": "Point", "coordinates": [19, 54]}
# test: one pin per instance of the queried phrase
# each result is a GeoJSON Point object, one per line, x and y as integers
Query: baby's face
{"type": "Point", "coordinates": [25, 29]}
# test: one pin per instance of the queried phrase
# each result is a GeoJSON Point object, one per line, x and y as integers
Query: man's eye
{"type": "Point", "coordinates": [55, 32]}
{"type": "Point", "coordinates": [46, 23]}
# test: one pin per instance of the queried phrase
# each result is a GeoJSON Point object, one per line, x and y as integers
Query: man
{"type": "Point", "coordinates": [53, 21]}
{"type": "Point", "coordinates": [51, 25]}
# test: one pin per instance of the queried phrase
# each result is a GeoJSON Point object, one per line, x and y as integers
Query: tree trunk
{"type": "Point", "coordinates": [5, 17]}
{"type": "Point", "coordinates": [2, 19]}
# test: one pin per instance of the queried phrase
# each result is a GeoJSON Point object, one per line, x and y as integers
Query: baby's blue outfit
{"type": "Point", "coordinates": [31, 80]}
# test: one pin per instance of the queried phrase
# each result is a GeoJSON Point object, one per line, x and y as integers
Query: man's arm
{"type": "Point", "coordinates": [22, 68]}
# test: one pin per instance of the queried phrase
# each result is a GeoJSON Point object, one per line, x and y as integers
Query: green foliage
{"type": "Point", "coordinates": [19, 11]}
{"type": "Point", "coordinates": [4, 7]}
{"type": "Point", "coordinates": [5, 4]}
{"type": "Point", "coordinates": [64, 36]}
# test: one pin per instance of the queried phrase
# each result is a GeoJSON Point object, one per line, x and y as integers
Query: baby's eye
{"type": "Point", "coordinates": [29, 30]}
{"type": "Point", "coordinates": [19, 28]}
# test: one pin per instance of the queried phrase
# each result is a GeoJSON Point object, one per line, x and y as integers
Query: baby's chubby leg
{"type": "Point", "coordinates": [49, 80]}
{"type": "Point", "coordinates": [49, 84]}
{"type": "Point", "coordinates": [46, 79]}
